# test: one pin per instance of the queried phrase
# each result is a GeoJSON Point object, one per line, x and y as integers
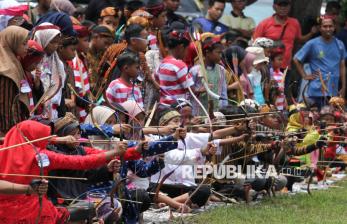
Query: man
{"type": "Point", "coordinates": [210, 22]}
{"type": "Point", "coordinates": [284, 30]}
{"type": "Point", "coordinates": [101, 39]}
{"type": "Point", "coordinates": [326, 58]}
{"type": "Point", "coordinates": [171, 7]}
{"type": "Point", "coordinates": [237, 19]}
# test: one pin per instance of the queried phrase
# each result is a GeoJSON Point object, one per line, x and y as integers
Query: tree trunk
{"type": "Point", "coordinates": [306, 11]}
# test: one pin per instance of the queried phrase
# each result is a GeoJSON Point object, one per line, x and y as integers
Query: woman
{"type": "Point", "coordinates": [31, 73]}
{"type": "Point", "coordinates": [51, 67]}
{"type": "Point", "coordinates": [13, 41]}
{"type": "Point", "coordinates": [108, 121]}
{"type": "Point", "coordinates": [25, 160]}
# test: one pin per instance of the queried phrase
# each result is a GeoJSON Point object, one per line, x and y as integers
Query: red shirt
{"type": "Point", "coordinates": [120, 91]}
{"type": "Point", "coordinates": [174, 80]}
{"type": "Point", "coordinates": [269, 28]}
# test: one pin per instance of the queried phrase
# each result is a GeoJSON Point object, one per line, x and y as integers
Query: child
{"type": "Point", "coordinates": [215, 74]}
{"type": "Point", "coordinates": [124, 88]}
{"type": "Point", "coordinates": [66, 53]}
{"type": "Point", "coordinates": [79, 66]}
{"type": "Point", "coordinates": [109, 17]}
{"type": "Point", "coordinates": [101, 39]}
{"type": "Point", "coordinates": [255, 76]}
{"type": "Point", "coordinates": [157, 9]}
{"type": "Point", "coordinates": [31, 79]}
{"type": "Point", "coordinates": [51, 67]}
{"type": "Point", "coordinates": [278, 76]}
{"type": "Point", "coordinates": [172, 74]}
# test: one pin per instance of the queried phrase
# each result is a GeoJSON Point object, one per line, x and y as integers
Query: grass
{"type": "Point", "coordinates": [325, 206]}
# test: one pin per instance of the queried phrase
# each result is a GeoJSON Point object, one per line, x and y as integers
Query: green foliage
{"type": "Point", "coordinates": [343, 9]}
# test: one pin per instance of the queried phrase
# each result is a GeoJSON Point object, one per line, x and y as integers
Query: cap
{"type": "Point", "coordinates": [109, 11]}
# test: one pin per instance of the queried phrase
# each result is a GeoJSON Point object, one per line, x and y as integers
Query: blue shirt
{"type": "Point", "coordinates": [324, 57]}
{"type": "Point", "coordinates": [210, 26]}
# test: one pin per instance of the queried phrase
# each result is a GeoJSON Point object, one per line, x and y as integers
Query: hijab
{"type": "Point", "coordinates": [22, 159]}
{"type": "Point", "coordinates": [10, 39]}
{"type": "Point", "coordinates": [51, 66]}
{"type": "Point", "coordinates": [35, 54]}
{"type": "Point", "coordinates": [100, 114]}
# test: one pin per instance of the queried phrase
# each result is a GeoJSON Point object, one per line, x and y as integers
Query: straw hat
{"type": "Point", "coordinates": [259, 55]}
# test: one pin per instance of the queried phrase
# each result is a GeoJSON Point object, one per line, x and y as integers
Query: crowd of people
{"type": "Point", "coordinates": [105, 109]}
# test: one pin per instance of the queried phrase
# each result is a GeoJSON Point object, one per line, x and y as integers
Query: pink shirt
{"type": "Point", "coordinates": [278, 76]}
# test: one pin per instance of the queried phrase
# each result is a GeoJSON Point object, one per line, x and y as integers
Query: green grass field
{"type": "Point", "coordinates": [325, 206]}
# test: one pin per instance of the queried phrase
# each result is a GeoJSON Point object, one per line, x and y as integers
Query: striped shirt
{"type": "Point", "coordinates": [278, 76]}
{"type": "Point", "coordinates": [119, 91]}
{"type": "Point", "coordinates": [174, 79]}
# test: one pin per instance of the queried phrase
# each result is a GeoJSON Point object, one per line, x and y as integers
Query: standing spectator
{"type": "Point", "coordinates": [96, 6]}
{"type": "Point", "coordinates": [172, 74]}
{"type": "Point", "coordinates": [256, 78]}
{"type": "Point", "coordinates": [101, 39]}
{"type": "Point", "coordinates": [215, 75]}
{"type": "Point", "coordinates": [157, 9]}
{"type": "Point", "coordinates": [171, 7]}
{"type": "Point", "coordinates": [13, 42]}
{"type": "Point", "coordinates": [210, 22]}
{"type": "Point", "coordinates": [124, 89]}
{"type": "Point", "coordinates": [326, 58]}
{"type": "Point", "coordinates": [80, 66]}
{"type": "Point", "coordinates": [278, 76]}
{"type": "Point", "coordinates": [109, 17]}
{"type": "Point", "coordinates": [237, 20]}
{"type": "Point", "coordinates": [283, 29]}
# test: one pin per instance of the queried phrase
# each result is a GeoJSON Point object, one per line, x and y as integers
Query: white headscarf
{"type": "Point", "coordinates": [101, 114]}
{"type": "Point", "coordinates": [4, 19]}
{"type": "Point", "coordinates": [51, 65]}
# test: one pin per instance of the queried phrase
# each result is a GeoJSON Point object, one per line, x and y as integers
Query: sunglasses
{"type": "Point", "coordinates": [141, 39]}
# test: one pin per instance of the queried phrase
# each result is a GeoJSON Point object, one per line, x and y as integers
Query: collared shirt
{"type": "Point", "coordinates": [234, 21]}
{"type": "Point", "coordinates": [269, 28]}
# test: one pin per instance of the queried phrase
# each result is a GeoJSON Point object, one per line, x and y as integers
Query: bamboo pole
{"type": "Point", "coordinates": [38, 176]}
{"type": "Point", "coordinates": [29, 142]}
